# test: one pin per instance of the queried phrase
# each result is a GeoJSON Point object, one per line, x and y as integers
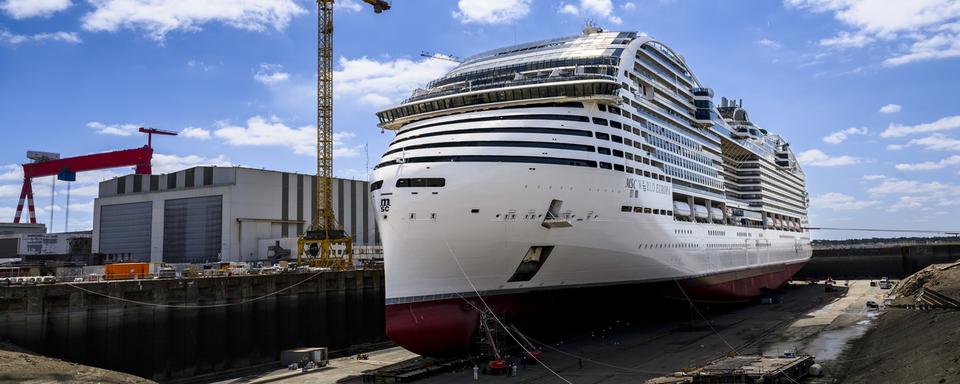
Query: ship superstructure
{"type": "Point", "coordinates": [584, 161]}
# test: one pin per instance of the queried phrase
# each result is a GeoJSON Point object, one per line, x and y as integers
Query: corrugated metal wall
{"type": "Point", "coordinates": [125, 229]}
{"type": "Point", "coordinates": [191, 229]}
{"type": "Point", "coordinates": [351, 206]}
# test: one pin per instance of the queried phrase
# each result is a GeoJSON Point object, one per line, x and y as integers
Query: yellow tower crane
{"type": "Point", "coordinates": [325, 244]}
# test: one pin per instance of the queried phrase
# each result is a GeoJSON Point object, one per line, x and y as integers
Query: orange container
{"type": "Point", "coordinates": [124, 271]}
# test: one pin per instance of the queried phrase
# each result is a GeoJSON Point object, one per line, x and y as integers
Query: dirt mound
{"type": "Point", "coordinates": [943, 278]}
{"type": "Point", "coordinates": [20, 366]}
{"type": "Point", "coordinates": [911, 346]}
{"type": "Point", "coordinates": [907, 346]}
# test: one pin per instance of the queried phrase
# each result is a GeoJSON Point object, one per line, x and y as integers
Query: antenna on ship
{"type": "Point", "coordinates": [591, 28]}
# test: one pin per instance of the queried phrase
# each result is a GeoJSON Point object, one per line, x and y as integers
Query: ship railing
{"type": "Point", "coordinates": [510, 83]}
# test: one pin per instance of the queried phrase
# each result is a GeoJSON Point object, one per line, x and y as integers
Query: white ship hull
{"type": "Point", "coordinates": [531, 173]}
{"type": "Point", "coordinates": [438, 252]}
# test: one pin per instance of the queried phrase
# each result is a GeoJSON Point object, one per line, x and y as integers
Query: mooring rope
{"type": "Point", "coordinates": [497, 318]}
{"type": "Point", "coordinates": [684, 292]}
{"type": "Point", "coordinates": [192, 306]}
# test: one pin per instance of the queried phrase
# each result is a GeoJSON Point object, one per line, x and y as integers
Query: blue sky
{"type": "Point", "coordinates": [863, 89]}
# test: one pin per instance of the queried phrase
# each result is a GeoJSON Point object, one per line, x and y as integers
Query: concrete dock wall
{"type": "Point", "coordinates": [893, 262]}
{"type": "Point", "coordinates": [229, 322]}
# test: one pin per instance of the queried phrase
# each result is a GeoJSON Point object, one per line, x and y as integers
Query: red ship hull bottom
{"type": "Point", "coordinates": [445, 327]}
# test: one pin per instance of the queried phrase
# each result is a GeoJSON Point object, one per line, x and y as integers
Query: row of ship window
{"type": "Point", "coordinates": [654, 211]}
{"type": "Point", "coordinates": [599, 135]}
{"type": "Point", "coordinates": [674, 245]}
{"type": "Point", "coordinates": [431, 182]}
{"type": "Point", "coordinates": [669, 146]}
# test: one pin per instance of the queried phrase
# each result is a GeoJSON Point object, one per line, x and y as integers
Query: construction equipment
{"type": "Point", "coordinates": [498, 363]}
{"type": "Point", "coordinates": [326, 243]}
{"type": "Point", "coordinates": [50, 164]}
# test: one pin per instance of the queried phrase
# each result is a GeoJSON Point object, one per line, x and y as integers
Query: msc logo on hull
{"type": "Point", "coordinates": [647, 186]}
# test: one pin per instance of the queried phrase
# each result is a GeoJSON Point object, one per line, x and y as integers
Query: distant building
{"type": "Point", "coordinates": [11, 239]}
{"type": "Point", "coordinates": [206, 214]}
{"type": "Point", "coordinates": [17, 228]}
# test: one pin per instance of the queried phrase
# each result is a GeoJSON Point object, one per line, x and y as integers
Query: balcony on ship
{"type": "Point", "coordinates": [575, 86]}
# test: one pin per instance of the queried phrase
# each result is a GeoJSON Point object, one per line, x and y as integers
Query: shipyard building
{"type": "Point", "coordinates": [208, 214]}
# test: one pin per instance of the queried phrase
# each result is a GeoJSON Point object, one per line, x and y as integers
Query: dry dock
{"type": "Point", "coordinates": [623, 352]}
{"type": "Point", "coordinates": [180, 328]}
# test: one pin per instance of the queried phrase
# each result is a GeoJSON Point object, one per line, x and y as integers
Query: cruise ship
{"type": "Point", "coordinates": [594, 160]}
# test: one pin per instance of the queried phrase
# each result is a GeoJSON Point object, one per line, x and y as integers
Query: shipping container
{"type": "Point", "coordinates": [125, 271]}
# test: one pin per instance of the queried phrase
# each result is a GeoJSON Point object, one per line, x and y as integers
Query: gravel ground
{"type": "Point", "coordinates": [20, 366]}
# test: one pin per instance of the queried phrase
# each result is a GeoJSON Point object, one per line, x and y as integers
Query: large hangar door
{"type": "Point", "coordinates": [9, 248]}
{"type": "Point", "coordinates": [191, 229]}
{"type": "Point", "coordinates": [125, 230]}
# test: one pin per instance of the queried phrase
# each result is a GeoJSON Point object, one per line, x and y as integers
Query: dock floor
{"type": "Point", "coordinates": [625, 353]}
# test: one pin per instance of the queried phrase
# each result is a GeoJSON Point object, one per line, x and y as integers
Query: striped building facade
{"type": "Point", "coordinates": [206, 214]}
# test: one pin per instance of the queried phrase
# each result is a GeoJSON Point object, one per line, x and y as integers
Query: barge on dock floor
{"type": "Point", "coordinates": [744, 369]}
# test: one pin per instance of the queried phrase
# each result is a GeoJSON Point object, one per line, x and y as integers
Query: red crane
{"type": "Point", "coordinates": [47, 164]}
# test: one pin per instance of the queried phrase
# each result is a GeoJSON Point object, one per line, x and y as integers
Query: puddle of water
{"type": "Point", "coordinates": [829, 344]}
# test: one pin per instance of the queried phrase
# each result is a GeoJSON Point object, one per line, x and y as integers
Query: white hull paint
{"type": "Point", "coordinates": [426, 232]}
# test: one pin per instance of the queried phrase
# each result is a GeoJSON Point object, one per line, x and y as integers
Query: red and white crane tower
{"type": "Point", "coordinates": [50, 164]}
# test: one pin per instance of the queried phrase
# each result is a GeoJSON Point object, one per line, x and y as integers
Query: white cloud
{"type": "Point", "coordinates": [11, 172]}
{"type": "Point", "coordinates": [839, 201]}
{"type": "Point", "coordinates": [66, 37]}
{"type": "Point", "coordinates": [769, 43]}
{"type": "Point", "coordinates": [817, 158]}
{"type": "Point", "coordinates": [114, 129]}
{"type": "Point", "coordinates": [195, 133]}
{"type": "Point", "coordinates": [491, 11]}
{"type": "Point", "coordinates": [569, 9]}
{"type": "Point", "coordinates": [882, 17]}
{"type": "Point", "coordinates": [261, 132]}
{"type": "Point", "coordinates": [930, 165]}
{"type": "Point", "coordinates": [910, 202]}
{"type": "Point", "coordinates": [943, 124]}
{"type": "Point", "coordinates": [347, 5]}
{"type": "Point", "coordinates": [10, 191]}
{"type": "Point", "coordinates": [937, 142]}
{"type": "Point", "coordinates": [270, 74]}
{"type": "Point", "coordinates": [629, 6]}
{"type": "Point", "coordinates": [892, 186]}
{"type": "Point", "coordinates": [839, 136]}
{"type": "Point", "coordinates": [928, 47]}
{"type": "Point", "coordinates": [10, 38]}
{"type": "Point", "coordinates": [847, 40]}
{"type": "Point", "coordinates": [157, 18]}
{"type": "Point", "coordinates": [917, 30]}
{"type": "Point", "coordinates": [380, 83]}
{"type": "Point", "coordinates": [200, 65]}
{"type": "Point", "coordinates": [172, 163]}
{"type": "Point", "coordinates": [22, 9]}
{"type": "Point", "coordinates": [891, 108]}
{"type": "Point", "coordinates": [874, 177]}
{"type": "Point", "coordinates": [597, 8]}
